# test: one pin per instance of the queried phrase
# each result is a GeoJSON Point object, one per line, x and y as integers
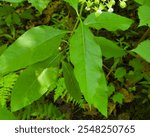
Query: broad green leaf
{"type": "Point", "coordinates": [143, 2]}
{"type": "Point", "coordinates": [73, 3]}
{"type": "Point", "coordinates": [6, 114]}
{"type": "Point", "coordinates": [109, 21]}
{"type": "Point", "coordinates": [37, 44]}
{"type": "Point", "coordinates": [143, 13]}
{"type": "Point", "coordinates": [13, 1]}
{"type": "Point", "coordinates": [52, 61]}
{"type": "Point", "coordinates": [40, 5]}
{"type": "Point", "coordinates": [71, 82]}
{"type": "Point", "coordinates": [143, 49]}
{"type": "Point", "coordinates": [86, 57]}
{"type": "Point", "coordinates": [109, 48]}
{"type": "Point", "coordinates": [31, 85]}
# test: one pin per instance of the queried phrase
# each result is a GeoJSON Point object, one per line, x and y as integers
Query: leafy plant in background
{"type": "Point", "coordinates": [46, 58]}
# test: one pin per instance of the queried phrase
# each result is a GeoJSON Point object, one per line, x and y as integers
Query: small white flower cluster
{"type": "Point", "coordinates": [102, 5]}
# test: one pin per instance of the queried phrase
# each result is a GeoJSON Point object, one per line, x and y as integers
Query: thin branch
{"type": "Point", "coordinates": [144, 36]}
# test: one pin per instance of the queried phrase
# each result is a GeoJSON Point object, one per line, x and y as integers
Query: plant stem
{"type": "Point", "coordinates": [144, 36]}
{"type": "Point", "coordinates": [78, 19]}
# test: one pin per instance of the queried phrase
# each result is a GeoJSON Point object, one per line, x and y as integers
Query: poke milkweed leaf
{"type": "Point", "coordinates": [86, 57]}
{"type": "Point", "coordinates": [35, 45]}
{"type": "Point", "coordinates": [143, 13]}
{"type": "Point", "coordinates": [71, 82]}
{"type": "Point", "coordinates": [109, 48]}
{"type": "Point", "coordinates": [143, 49]}
{"type": "Point", "coordinates": [31, 85]}
{"type": "Point", "coordinates": [73, 3]}
{"type": "Point", "coordinates": [40, 5]}
{"type": "Point", "coordinates": [109, 21]}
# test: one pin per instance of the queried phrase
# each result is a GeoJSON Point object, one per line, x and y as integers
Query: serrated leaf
{"type": "Point", "coordinates": [31, 85]}
{"type": "Point", "coordinates": [37, 44]}
{"type": "Point", "coordinates": [71, 82]}
{"type": "Point", "coordinates": [143, 49]}
{"type": "Point", "coordinates": [143, 13]}
{"type": "Point", "coordinates": [109, 48]}
{"type": "Point", "coordinates": [73, 3]}
{"type": "Point", "coordinates": [86, 57]}
{"type": "Point", "coordinates": [6, 114]}
{"type": "Point", "coordinates": [109, 21]}
{"type": "Point", "coordinates": [40, 5]}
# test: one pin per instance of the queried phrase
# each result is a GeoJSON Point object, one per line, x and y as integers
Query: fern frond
{"type": "Point", "coordinates": [40, 110]}
{"type": "Point", "coordinates": [6, 85]}
{"type": "Point", "coordinates": [61, 92]}
{"type": "Point", "coordinates": [80, 102]}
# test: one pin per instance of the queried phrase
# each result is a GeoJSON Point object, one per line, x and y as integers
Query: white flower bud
{"type": "Point", "coordinates": [99, 11]}
{"type": "Point", "coordinates": [87, 8]}
{"type": "Point", "coordinates": [110, 10]}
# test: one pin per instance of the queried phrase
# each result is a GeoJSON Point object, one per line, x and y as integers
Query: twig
{"type": "Point", "coordinates": [144, 36]}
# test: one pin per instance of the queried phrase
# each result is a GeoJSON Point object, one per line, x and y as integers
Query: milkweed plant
{"type": "Point", "coordinates": [79, 65]}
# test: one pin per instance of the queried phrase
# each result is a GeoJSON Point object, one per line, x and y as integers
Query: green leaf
{"type": "Point", "coordinates": [143, 13]}
{"type": "Point", "coordinates": [118, 97]}
{"type": "Point", "coordinates": [86, 57]}
{"type": "Point", "coordinates": [5, 10]}
{"type": "Point", "coordinates": [40, 5]}
{"type": "Point", "coordinates": [134, 76]}
{"type": "Point", "coordinates": [16, 19]}
{"type": "Point", "coordinates": [73, 3]}
{"type": "Point", "coordinates": [120, 72]}
{"type": "Point", "coordinates": [109, 21]}
{"type": "Point", "coordinates": [31, 85]}
{"type": "Point", "coordinates": [109, 48]}
{"type": "Point", "coordinates": [26, 14]}
{"type": "Point", "coordinates": [143, 49]}
{"type": "Point", "coordinates": [136, 64]}
{"type": "Point", "coordinates": [71, 82]}
{"type": "Point", "coordinates": [111, 89]}
{"type": "Point", "coordinates": [6, 114]}
{"type": "Point", "coordinates": [8, 20]}
{"type": "Point", "coordinates": [37, 44]}
{"type": "Point", "coordinates": [143, 2]}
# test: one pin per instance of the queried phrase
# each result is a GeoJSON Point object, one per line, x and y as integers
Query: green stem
{"type": "Point", "coordinates": [78, 19]}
